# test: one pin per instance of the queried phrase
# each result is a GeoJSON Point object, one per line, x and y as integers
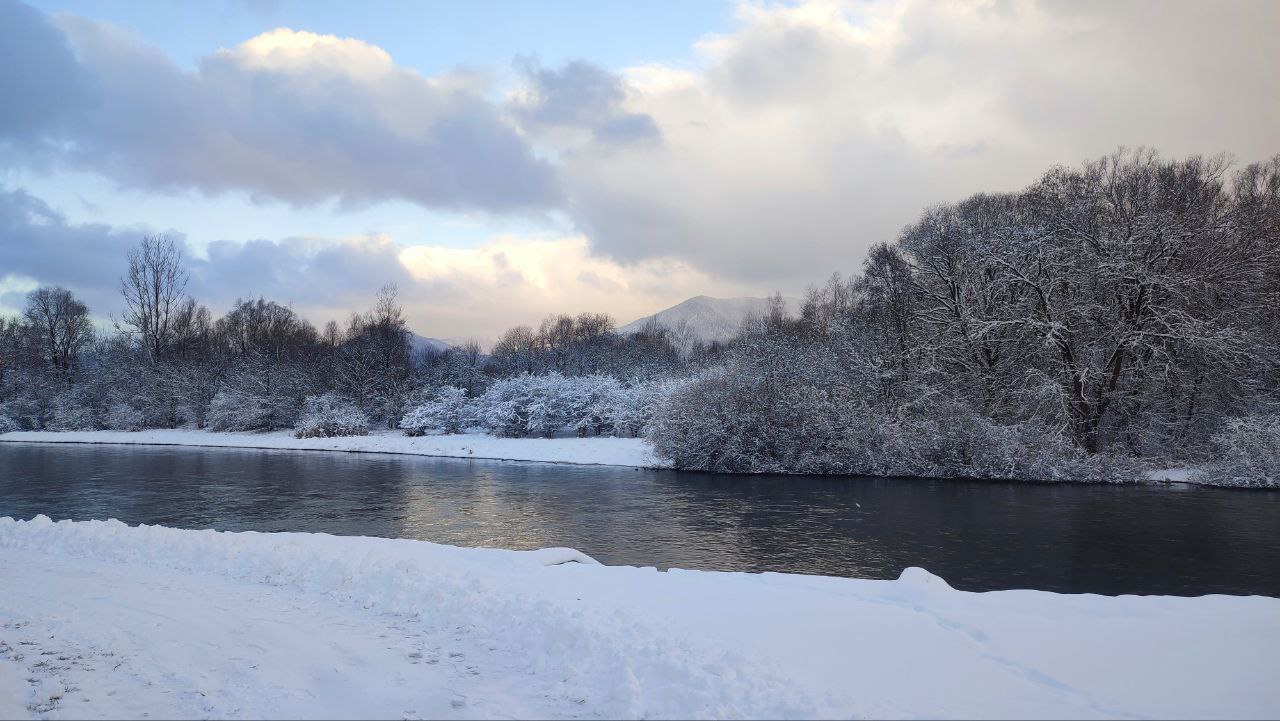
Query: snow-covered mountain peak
{"type": "Point", "coordinates": [709, 319]}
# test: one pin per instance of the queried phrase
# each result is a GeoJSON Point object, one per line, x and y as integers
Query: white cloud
{"type": "Point", "coordinates": [795, 141]}
{"type": "Point", "coordinates": [814, 130]}
{"type": "Point", "coordinates": [514, 280]}
{"type": "Point", "coordinates": [288, 115]}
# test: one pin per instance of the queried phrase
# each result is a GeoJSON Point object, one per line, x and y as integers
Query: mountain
{"type": "Point", "coordinates": [421, 344]}
{"type": "Point", "coordinates": [710, 319]}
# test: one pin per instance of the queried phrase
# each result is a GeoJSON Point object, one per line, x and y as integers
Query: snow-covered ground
{"type": "Point", "coordinates": [101, 619]}
{"type": "Point", "coordinates": [589, 451]}
{"type": "Point", "coordinates": [1172, 475]}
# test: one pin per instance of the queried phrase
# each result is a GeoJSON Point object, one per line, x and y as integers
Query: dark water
{"type": "Point", "coordinates": [977, 535]}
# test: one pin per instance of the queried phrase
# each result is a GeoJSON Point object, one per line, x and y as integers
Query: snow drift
{"type": "Point", "coordinates": [200, 623]}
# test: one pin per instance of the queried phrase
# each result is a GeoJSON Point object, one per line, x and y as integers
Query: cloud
{"type": "Point", "coordinates": [519, 280]}
{"type": "Point", "coordinates": [815, 129]}
{"type": "Point", "coordinates": [447, 292]}
{"type": "Point", "coordinates": [580, 96]}
{"type": "Point", "coordinates": [328, 278]}
{"type": "Point", "coordinates": [808, 132]}
{"type": "Point", "coordinates": [38, 246]}
{"type": "Point", "coordinates": [286, 115]}
{"type": "Point", "coordinates": [42, 86]}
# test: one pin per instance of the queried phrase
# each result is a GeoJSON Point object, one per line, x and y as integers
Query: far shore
{"type": "Point", "coordinates": [593, 451]}
{"type": "Point", "coordinates": [630, 452]}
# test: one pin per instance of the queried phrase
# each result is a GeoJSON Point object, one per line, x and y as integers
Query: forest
{"type": "Point", "coordinates": [1110, 318]}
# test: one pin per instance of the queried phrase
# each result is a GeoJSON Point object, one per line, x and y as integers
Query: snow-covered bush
{"type": "Point", "coordinates": [329, 415]}
{"type": "Point", "coordinates": [956, 442]}
{"type": "Point", "coordinates": [503, 410]}
{"type": "Point", "coordinates": [7, 424]}
{"type": "Point", "coordinates": [594, 404]}
{"type": "Point", "coordinates": [635, 405]}
{"type": "Point", "coordinates": [1248, 453]}
{"type": "Point", "coordinates": [71, 410]}
{"type": "Point", "coordinates": [550, 403]}
{"type": "Point", "coordinates": [236, 410]}
{"type": "Point", "coordinates": [447, 412]}
{"type": "Point", "coordinates": [22, 412]}
{"type": "Point", "coordinates": [124, 417]}
{"type": "Point", "coordinates": [695, 425]}
{"type": "Point", "coordinates": [731, 422]}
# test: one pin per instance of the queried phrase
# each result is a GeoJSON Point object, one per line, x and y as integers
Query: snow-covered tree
{"type": "Point", "coordinates": [447, 412]}
{"type": "Point", "coordinates": [121, 416]}
{"type": "Point", "coordinates": [329, 415]}
{"type": "Point", "coordinates": [373, 363]}
{"type": "Point", "coordinates": [1247, 453]}
{"type": "Point", "coordinates": [72, 411]}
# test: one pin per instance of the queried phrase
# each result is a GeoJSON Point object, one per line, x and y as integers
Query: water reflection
{"type": "Point", "coordinates": [979, 536]}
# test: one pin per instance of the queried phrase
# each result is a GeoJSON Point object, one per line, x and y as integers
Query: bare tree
{"type": "Point", "coordinates": [153, 288]}
{"type": "Point", "coordinates": [61, 324]}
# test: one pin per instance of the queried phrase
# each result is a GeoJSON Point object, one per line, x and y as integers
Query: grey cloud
{"type": "Point", "coordinates": [627, 128]}
{"type": "Point", "coordinates": [322, 279]}
{"type": "Point", "coordinates": [307, 119]}
{"type": "Point", "coordinates": [584, 96]}
{"type": "Point", "coordinates": [42, 85]}
{"type": "Point", "coordinates": [38, 243]}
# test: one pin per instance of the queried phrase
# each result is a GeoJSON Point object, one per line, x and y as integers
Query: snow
{"type": "Point", "coordinates": [587, 451]}
{"type": "Point", "coordinates": [102, 619]}
{"type": "Point", "coordinates": [1172, 475]}
{"type": "Point", "coordinates": [14, 689]}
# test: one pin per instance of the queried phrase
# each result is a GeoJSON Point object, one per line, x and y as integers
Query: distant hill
{"type": "Point", "coordinates": [421, 344]}
{"type": "Point", "coordinates": [710, 319]}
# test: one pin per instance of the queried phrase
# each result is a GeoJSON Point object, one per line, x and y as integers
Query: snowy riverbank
{"type": "Point", "coordinates": [586, 451]}
{"type": "Point", "coordinates": [101, 619]}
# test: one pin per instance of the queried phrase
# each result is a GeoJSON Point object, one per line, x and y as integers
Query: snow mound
{"type": "Point", "coordinates": [915, 577]}
{"type": "Point", "coordinates": [557, 556]}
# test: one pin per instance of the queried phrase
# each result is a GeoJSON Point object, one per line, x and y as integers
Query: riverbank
{"type": "Point", "coordinates": [596, 451]}
{"type": "Point", "coordinates": [631, 452]}
{"type": "Point", "coordinates": [106, 620]}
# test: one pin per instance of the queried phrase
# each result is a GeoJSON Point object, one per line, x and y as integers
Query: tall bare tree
{"type": "Point", "coordinates": [153, 288]}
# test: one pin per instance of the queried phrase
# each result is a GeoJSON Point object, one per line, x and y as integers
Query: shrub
{"type": "Point", "coordinates": [7, 424]}
{"type": "Point", "coordinates": [956, 442]}
{"type": "Point", "coordinates": [726, 422]}
{"type": "Point", "coordinates": [503, 410]}
{"type": "Point", "coordinates": [71, 411]}
{"type": "Point", "coordinates": [1248, 454]}
{"type": "Point", "coordinates": [329, 415]}
{"type": "Point", "coordinates": [21, 412]}
{"type": "Point", "coordinates": [447, 412]}
{"type": "Point", "coordinates": [124, 417]}
{"type": "Point", "coordinates": [635, 406]}
{"type": "Point", "coordinates": [234, 410]}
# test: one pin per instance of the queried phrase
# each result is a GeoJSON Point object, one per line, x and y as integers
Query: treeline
{"type": "Point", "coordinates": [168, 363]}
{"type": "Point", "coordinates": [1113, 315]}
{"type": "Point", "coordinates": [544, 405]}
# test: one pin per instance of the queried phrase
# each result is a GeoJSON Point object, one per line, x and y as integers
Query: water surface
{"type": "Point", "coordinates": [977, 535]}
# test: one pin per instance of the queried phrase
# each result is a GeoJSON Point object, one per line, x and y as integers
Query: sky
{"type": "Point", "coordinates": [501, 161]}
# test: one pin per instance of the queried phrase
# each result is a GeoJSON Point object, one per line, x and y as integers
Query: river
{"type": "Point", "coordinates": [977, 535]}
